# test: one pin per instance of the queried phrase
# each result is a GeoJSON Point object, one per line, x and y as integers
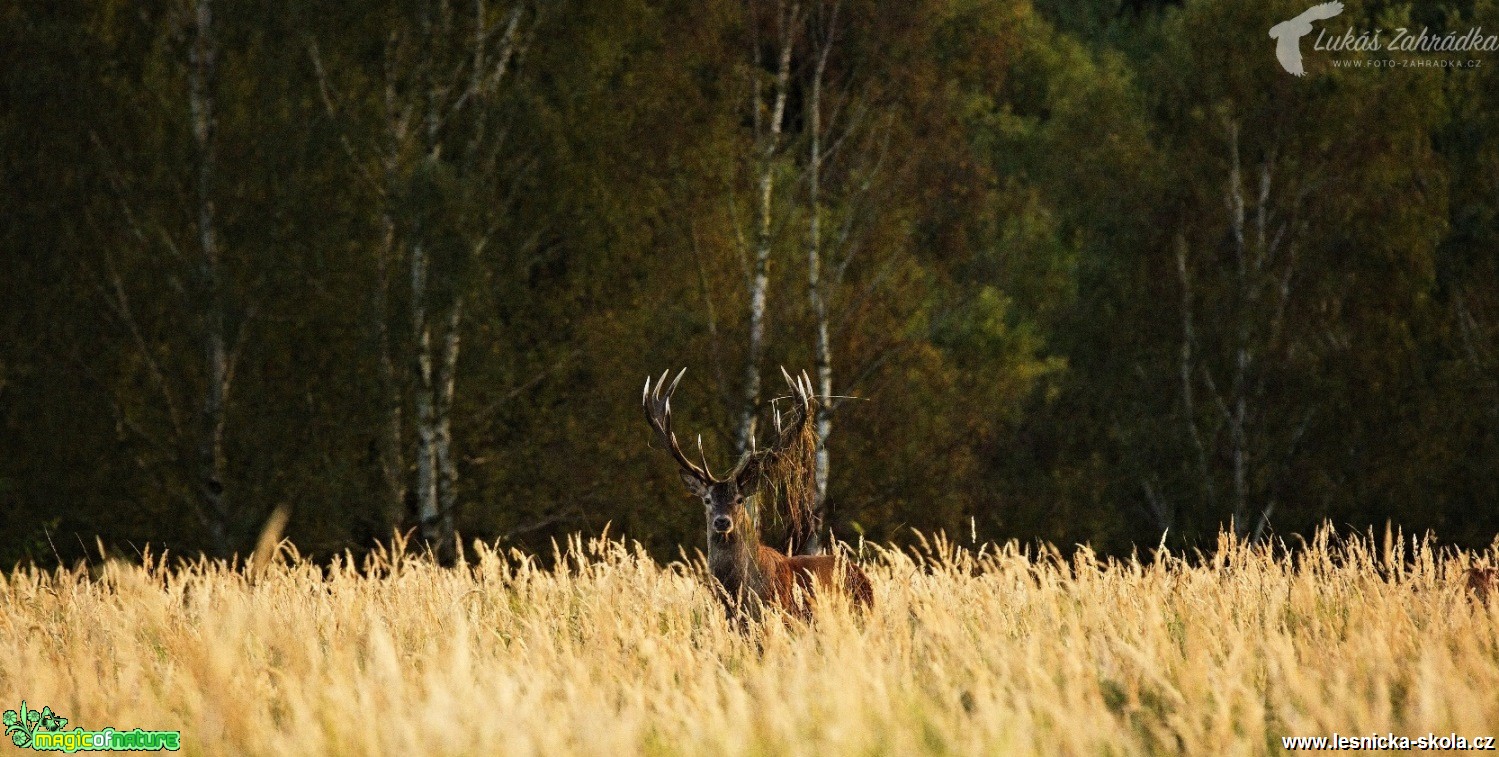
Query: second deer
{"type": "Point", "coordinates": [750, 574]}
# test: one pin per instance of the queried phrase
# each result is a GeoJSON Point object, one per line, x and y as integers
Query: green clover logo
{"type": "Point", "coordinates": [51, 721]}
{"type": "Point", "coordinates": [21, 725]}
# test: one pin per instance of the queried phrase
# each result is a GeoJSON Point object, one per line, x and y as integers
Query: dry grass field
{"type": "Point", "coordinates": [999, 652]}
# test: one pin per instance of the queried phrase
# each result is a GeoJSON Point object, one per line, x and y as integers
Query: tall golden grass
{"type": "Point", "coordinates": [996, 652]}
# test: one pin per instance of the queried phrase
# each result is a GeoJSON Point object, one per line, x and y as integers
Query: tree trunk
{"type": "Point", "coordinates": [433, 121]}
{"type": "Point", "coordinates": [1238, 417]}
{"type": "Point", "coordinates": [447, 468]}
{"type": "Point", "coordinates": [428, 501]}
{"type": "Point", "coordinates": [822, 348]}
{"type": "Point", "coordinates": [1254, 326]}
{"type": "Point", "coordinates": [427, 507]}
{"type": "Point", "coordinates": [392, 444]}
{"type": "Point", "coordinates": [1189, 403]}
{"type": "Point", "coordinates": [211, 460]}
{"type": "Point", "coordinates": [768, 143]}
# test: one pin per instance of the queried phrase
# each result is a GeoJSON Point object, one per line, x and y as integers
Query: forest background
{"type": "Point", "coordinates": [1077, 271]}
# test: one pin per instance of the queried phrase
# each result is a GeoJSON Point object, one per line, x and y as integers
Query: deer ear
{"type": "Point", "coordinates": [694, 484]}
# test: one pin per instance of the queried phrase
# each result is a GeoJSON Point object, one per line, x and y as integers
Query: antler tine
{"type": "Point", "coordinates": [704, 456]}
{"type": "Point", "coordinates": [650, 396]}
{"type": "Point", "coordinates": [794, 384]}
{"type": "Point", "coordinates": [798, 385]}
{"type": "Point", "coordinates": [661, 384]}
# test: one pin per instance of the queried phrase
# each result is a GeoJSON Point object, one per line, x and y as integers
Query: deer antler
{"type": "Point", "coordinates": [802, 395]}
{"type": "Point", "coordinates": [656, 399]}
{"type": "Point", "coordinates": [657, 403]}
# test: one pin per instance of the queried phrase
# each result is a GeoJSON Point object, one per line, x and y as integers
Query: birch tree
{"type": "Point", "coordinates": [768, 111]}
{"type": "Point", "coordinates": [1241, 422]}
{"type": "Point", "coordinates": [202, 72]}
{"type": "Point", "coordinates": [443, 180]}
{"type": "Point", "coordinates": [839, 130]}
{"type": "Point", "coordinates": [822, 358]}
{"type": "Point", "coordinates": [193, 398]}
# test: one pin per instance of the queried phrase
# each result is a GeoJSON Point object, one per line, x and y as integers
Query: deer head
{"type": "Point", "coordinates": [724, 497]}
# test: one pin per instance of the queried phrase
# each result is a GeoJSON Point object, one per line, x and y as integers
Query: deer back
{"type": "Point", "coordinates": [1482, 582]}
{"type": "Point", "coordinates": [793, 582]}
{"type": "Point", "coordinates": [829, 571]}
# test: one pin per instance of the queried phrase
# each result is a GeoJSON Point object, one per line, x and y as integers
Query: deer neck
{"type": "Point", "coordinates": [731, 557]}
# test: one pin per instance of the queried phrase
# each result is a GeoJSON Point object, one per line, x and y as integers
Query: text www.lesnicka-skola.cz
{"type": "Point", "coordinates": [1390, 741]}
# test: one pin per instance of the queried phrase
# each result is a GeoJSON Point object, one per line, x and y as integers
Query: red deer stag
{"type": "Point", "coordinates": [751, 574]}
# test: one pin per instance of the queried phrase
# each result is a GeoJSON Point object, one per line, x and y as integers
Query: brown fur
{"type": "Point", "coordinates": [807, 573]}
{"type": "Point", "coordinates": [752, 574]}
{"type": "Point", "coordinates": [1482, 582]}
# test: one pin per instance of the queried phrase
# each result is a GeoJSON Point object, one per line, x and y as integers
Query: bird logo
{"type": "Point", "coordinates": [1288, 34]}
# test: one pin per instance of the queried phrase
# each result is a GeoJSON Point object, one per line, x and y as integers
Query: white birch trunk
{"type": "Point", "coordinates": [1236, 413]}
{"type": "Point", "coordinates": [447, 468]}
{"type": "Point", "coordinates": [1246, 418]}
{"type": "Point", "coordinates": [822, 348]}
{"type": "Point", "coordinates": [211, 460]}
{"type": "Point", "coordinates": [422, 106]}
{"type": "Point", "coordinates": [768, 143]}
{"type": "Point", "coordinates": [427, 508]}
{"type": "Point", "coordinates": [428, 504]}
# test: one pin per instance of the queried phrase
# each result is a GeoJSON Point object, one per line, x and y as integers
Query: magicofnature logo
{"type": "Point", "coordinates": [43, 731]}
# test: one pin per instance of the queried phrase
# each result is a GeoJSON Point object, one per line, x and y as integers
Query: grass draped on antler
{"type": "Point", "coordinates": [787, 472]}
